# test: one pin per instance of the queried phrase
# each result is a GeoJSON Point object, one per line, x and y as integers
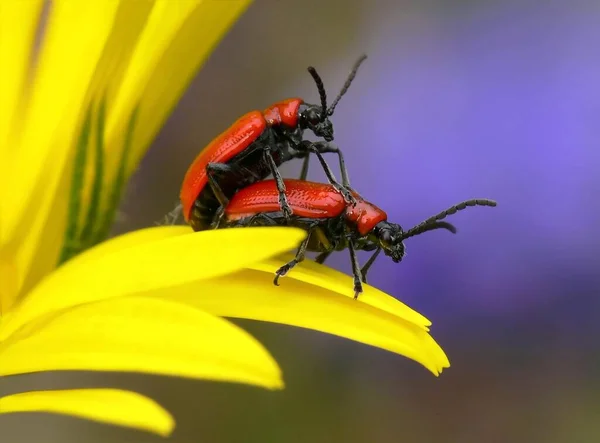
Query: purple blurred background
{"type": "Point", "coordinates": [458, 99]}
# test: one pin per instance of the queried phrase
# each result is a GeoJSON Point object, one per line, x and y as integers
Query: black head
{"type": "Point", "coordinates": [390, 236]}
{"type": "Point", "coordinates": [312, 117]}
{"type": "Point", "coordinates": [316, 117]}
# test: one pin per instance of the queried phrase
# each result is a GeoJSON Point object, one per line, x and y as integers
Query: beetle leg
{"type": "Point", "coordinates": [348, 197]}
{"type": "Point", "coordinates": [322, 237]}
{"type": "Point", "coordinates": [355, 270]}
{"type": "Point", "coordinates": [322, 257]}
{"type": "Point", "coordinates": [283, 201]}
{"type": "Point", "coordinates": [218, 218]}
{"type": "Point", "coordinates": [298, 259]}
{"type": "Point", "coordinates": [367, 265]}
{"type": "Point", "coordinates": [304, 171]}
{"type": "Point", "coordinates": [211, 170]}
{"type": "Point", "coordinates": [329, 147]}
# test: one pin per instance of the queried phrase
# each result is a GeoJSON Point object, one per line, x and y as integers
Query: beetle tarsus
{"type": "Point", "coordinates": [355, 269]}
{"type": "Point", "coordinates": [298, 259]}
{"type": "Point", "coordinates": [346, 193]}
{"type": "Point", "coordinates": [281, 272]}
{"type": "Point", "coordinates": [357, 290]}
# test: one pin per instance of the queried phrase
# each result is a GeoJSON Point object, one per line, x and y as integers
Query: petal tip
{"type": "Point", "coordinates": [109, 406]}
{"type": "Point", "coordinates": [278, 385]}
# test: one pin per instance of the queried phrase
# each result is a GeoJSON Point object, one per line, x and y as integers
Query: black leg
{"type": "Point", "coordinates": [172, 217]}
{"type": "Point", "coordinates": [367, 266]}
{"type": "Point", "coordinates": [298, 259]}
{"type": "Point", "coordinates": [175, 214]}
{"type": "Point", "coordinates": [355, 270]}
{"type": "Point", "coordinates": [218, 218]}
{"type": "Point", "coordinates": [338, 187]}
{"type": "Point", "coordinates": [213, 169]}
{"type": "Point", "coordinates": [328, 147]}
{"type": "Point", "coordinates": [283, 202]}
{"type": "Point", "coordinates": [322, 257]}
{"type": "Point", "coordinates": [304, 171]}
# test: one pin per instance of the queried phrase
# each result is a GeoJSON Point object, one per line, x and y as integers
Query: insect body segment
{"type": "Point", "coordinates": [331, 223]}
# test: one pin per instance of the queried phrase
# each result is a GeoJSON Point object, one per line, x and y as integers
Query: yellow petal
{"type": "Point", "coordinates": [140, 334]}
{"type": "Point", "coordinates": [134, 238]}
{"type": "Point", "coordinates": [154, 48]}
{"type": "Point", "coordinates": [171, 49]}
{"type": "Point", "coordinates": [76, 33]}
{"type": "Point", "coordinates": [319, 275]}
{"type": "Point", "coordinates": [92, 43]}
{"type": "Point", "coordinates": [374, 319]}
{"type": "Point", "coordinates": [117, 271]}
{"type": "Point", "coordinates": [18, 23]}
{"type": "Point", "coordinates": [112, 406]}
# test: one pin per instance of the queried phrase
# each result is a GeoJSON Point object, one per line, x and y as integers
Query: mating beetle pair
{"type": "Point", "coordinates": [223, 187]}
{"type": "Point", "coordinates": [255, 146]}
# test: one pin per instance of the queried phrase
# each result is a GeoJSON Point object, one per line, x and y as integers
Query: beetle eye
{"type": "Point", "coordinates": [386, 238]}
{"type": "Point", "coordinates": [314, 118]}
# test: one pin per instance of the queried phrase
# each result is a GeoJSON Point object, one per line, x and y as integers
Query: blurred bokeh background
{"type": "Point", "coordinates": [458, 99]}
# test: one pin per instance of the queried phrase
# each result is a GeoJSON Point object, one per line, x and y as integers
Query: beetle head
{"type": "Point", "coordinates": [312, 117]}
{"type": "Point", "coordinates": [389, 237]}
{"type": "Point", "coordinates": [315, 117]}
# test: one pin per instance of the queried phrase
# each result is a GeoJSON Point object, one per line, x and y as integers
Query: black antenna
{"type": "Point", "coordinates": [435, 225]}
{"type": "Point", "coordinates": [349, 80]}
{"type": "Point", "coordinates": [321, 88]}
{"type": "Point", "coordinates": [432, 221]}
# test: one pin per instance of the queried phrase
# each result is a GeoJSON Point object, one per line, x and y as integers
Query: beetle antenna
{"type": "Point", "coordinates": [435, 225]}
{"type": "Point", "coordinates": [432, 222]}
{"type": "Point", "coordinates": [321, 88]}
{"type": "Point", "coordinates": [348, 82]}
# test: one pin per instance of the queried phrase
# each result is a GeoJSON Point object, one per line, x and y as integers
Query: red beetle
{"type": "Point", "coordinates": [332, 224]}
{"type": "Point", "coordinates": [253, 148]}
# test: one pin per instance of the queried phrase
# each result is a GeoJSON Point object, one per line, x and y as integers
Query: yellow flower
{"type": "Point", "coordinates": [75, 119]}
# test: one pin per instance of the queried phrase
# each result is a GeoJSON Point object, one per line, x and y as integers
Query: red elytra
{"type": "Point", "coordinates": [307, 199]}
{"type": "Point", "coordinates": [232, 142]}
{"type": "Point", "coordinates": [228, 144]}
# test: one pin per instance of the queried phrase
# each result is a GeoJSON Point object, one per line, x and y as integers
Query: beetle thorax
{"type": "Point", "coordinates": [284, 113]}
{"type": "Point", "coordinates": [364, 216]}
